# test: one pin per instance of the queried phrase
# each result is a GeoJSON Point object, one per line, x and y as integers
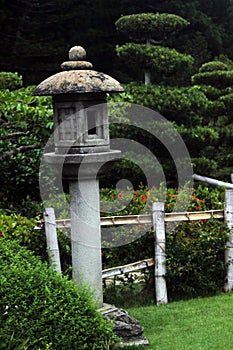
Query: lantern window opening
{"type": "Point", "coordinates": [94, 123]}
{"type": "Point", "coordinates": [91, 122]}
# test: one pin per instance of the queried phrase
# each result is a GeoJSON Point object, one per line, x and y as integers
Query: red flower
{"type": "Point", "coordinates": [120, 195]}
{"type": "Point", "coordinates": [1, 234]}
{"type": "Point", "coordinates": [143, 198]}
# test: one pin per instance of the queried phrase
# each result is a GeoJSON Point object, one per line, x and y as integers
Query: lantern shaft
{"type": "Point", "coordinates": [86, 235]}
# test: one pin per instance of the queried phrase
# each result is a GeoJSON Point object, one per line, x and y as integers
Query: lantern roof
{"type": "Point", "coordinates": [77, 78]}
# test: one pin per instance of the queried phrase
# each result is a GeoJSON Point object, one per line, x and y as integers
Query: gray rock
{"type": "Point", "coordinates": [124, 326]}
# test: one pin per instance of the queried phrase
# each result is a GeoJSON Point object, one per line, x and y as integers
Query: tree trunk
{"type": "Point", "coordinates": [147, 72]}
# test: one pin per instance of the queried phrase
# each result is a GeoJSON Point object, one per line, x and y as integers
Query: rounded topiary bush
{"type": "Point", "coordinates": [218, 78]}
{"type": "Point", "coordinates": [150, 25]}
{"type": "Point", "coordinates": [213, 66]}
{"type": "Point", "coordinates": [40, 309]}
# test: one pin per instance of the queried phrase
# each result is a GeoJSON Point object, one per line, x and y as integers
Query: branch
{"type": "Point", "coordinates": [18, 150]}
{"type": "Point", "coordinates": [142, 40]}
{"type": "Point", "coordinates": [14, 134]}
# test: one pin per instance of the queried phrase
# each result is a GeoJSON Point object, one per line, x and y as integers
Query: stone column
{"type": "Point", "coordinates": [86, 234]}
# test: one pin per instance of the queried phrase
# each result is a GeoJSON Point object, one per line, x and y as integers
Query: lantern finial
{"type": "Point", "coordinates": [77, 55]}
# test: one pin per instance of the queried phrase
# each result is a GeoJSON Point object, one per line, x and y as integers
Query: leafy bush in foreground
{"type": "Point", "coordinates": [40, 309]}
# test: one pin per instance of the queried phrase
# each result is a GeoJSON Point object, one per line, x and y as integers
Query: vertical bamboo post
{"type": "Point", "coordinates": [160, 256]}
{"type": "Point", "coordinates": [228, 216]}
{"type": "Point", "coordinates": [51, 239]}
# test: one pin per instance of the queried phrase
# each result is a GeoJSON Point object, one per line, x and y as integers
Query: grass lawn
{"type": "Point", "coordinates": [197, 324]}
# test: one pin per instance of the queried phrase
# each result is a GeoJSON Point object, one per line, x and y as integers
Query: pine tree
{"type": "Point", "coordinates": [150, 30]}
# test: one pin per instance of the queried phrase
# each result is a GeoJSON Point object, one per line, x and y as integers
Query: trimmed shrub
{"type": "Point", "coordinates": [162, 60]}
{"type": "Point", "coordinates": [176, 104]}
{"type": "Point", "coordinates": [211, 92]}
{"type": "Point", "coordinates": [228, 102]}
{"type": "Point", "coordinates": [150, 25]}
{"type": "Point", "coordinates": [218, 78]}
{"type": "Point", "coordinates": [11, 81]}
{"type": "Point", "coordinates": [213, 66]}
{"type": "Point", "coordinates": [40, 309]}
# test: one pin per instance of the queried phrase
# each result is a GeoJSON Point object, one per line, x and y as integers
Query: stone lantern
{"type": "Point", "coordinates": [82, 146]}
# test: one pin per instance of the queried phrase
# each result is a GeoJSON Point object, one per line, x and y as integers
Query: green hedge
{"type": "Point", "coordinates": [40, 309]}
{"type": "Point", "coordinates": [195, 259]}
{"type": "Point", "coordinates": [11, 81]}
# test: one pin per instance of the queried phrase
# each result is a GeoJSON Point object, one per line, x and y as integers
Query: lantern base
{"type": "Point", "coordinates": [78, 166]}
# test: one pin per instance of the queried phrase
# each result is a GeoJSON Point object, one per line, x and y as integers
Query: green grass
{"type": "Point", "coordinates": [197, 324]}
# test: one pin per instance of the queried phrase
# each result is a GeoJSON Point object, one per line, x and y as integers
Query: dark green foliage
{"type": "Point", "coordinates": [202, 116]}
{"type": "Point", "coordinates": [25, 125]}
{"type": "Point", "coordinates": [217, 78]}
{"type": "Point", "coordinates": [175, 104]}
{"type": "Point", "coordinates": [162, 60]}
{"type": "Point", "coordinates": [150, 25]}
{"type": "Point", "coordinates": [211, 92]}
{"type": "Point", "coordinates": [43, 310]}
{"type": "Point", "coordinates": [156, 61]}
{"type": "Point", "coordinates": [228, 103]}
{"type": "Point", "coordinates": [21, 229]}
{"type": "Point", "coordinates": [195, 259]}
{"type": "Point", "coordinates": [11, 81]}
{"type": "Point", "coordinates": [212, 66]}
{"type": "Point", "coordinates": [26, 40]}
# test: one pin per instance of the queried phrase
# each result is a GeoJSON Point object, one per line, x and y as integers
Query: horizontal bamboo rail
{"type": "Point", "coordinates": [120, 270]}
{"type": "Point", "coordinates": [212, 181]}
{"type": "Point", "coordinates": [145, 219]}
